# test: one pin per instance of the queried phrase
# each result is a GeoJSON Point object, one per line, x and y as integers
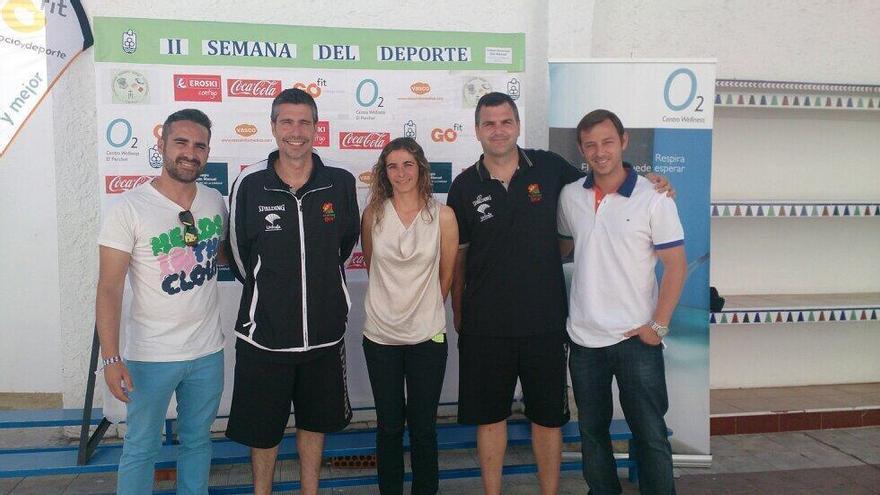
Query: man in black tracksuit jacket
{"type": "Point", "coordinates": [293, 223]}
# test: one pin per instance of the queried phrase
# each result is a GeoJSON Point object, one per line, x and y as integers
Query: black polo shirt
{"type": "Point", "coordinates": [514, 286]}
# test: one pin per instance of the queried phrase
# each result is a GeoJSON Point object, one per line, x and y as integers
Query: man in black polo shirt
{"type": "Point", "coordinates": [508, 293]}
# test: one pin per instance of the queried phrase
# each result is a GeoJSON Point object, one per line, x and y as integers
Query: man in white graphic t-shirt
{"type": "Point", "coordinates": [166, 235]}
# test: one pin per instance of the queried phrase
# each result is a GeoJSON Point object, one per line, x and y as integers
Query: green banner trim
{"type": "Point", "coordinates": [170, 42]}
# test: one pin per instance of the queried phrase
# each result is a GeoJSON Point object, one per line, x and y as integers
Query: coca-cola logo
{"type": "Point", "coordinates": [245, 130]}
{"type": "Point", "coordinates": [357, 261]}
{"type": "Point", "coordinates": [353, 140]}
{"type": "Point", "coordinates": [116, 184]}
{"type": "Point", "coordinates": [420, 88]}
{"type": "Point", "coordinates": [253, 88]}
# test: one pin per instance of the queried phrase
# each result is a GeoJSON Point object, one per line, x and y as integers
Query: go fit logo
{"type": "Point", "coordinates": [25, 17]}
{"type": "Point", "coordinates": [314, 89]}
{"type": "Point", "coordinates": [439, 135]}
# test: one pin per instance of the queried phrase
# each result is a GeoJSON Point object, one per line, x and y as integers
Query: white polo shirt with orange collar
{"type": "Point", "coordinates": [616, 237]}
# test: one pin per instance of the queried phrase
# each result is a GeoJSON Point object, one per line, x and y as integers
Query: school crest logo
{"type": "Point", "coordinates": [534, 191]}
{"type": "Point", "coordinates": [328, 212]}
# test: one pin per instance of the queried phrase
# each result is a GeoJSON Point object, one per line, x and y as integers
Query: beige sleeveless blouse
{"type": "Point", "coordinates": [404, 304]}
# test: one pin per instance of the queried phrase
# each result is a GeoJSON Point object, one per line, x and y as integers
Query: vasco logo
{"type": "Point", "coordinates": [366, 177]}
{"type": "Point", "coordinates": [420, 88]}
{"type": "Point", "coordinates": [314, 89]}
{"type": "Point", "coordinates": [197, 87]}
{"type": "Point", "coordinates": [129, 41]}
{"type": "Point", "coordinates": [245, 130]}
{"type": "Point", "coordinates": [130, 87]}
{"type": "Point", "coordinates": [448, 135]}
{"type": "Point", "coordinates": [271, 218]}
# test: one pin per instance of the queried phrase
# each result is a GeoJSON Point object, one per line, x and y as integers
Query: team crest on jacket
{"type": "Point", "coordinates": [328, 212]}
{"type": "Point", "coordinates": [534, 191]}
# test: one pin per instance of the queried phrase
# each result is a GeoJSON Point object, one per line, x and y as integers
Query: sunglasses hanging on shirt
{"type": "Point", "coordinates": [190, 232]}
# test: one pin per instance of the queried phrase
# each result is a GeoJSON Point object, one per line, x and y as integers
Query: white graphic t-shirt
{"type": "Point", "coordinates": [175, 313]}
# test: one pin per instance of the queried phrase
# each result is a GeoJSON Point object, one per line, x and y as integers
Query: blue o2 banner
{"type": "Point", "coordinates": [667, 109]}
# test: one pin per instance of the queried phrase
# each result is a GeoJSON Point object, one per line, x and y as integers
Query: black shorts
{"type": "Point", "coordinates": [489, 367]}
{"type": "Point", "coordinates": [264, 391]}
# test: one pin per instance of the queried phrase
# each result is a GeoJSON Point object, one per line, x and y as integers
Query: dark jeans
{"type": "Point", "coordinates": [641, 382]}
{"type": "Point", "coordinates": [421, 368]}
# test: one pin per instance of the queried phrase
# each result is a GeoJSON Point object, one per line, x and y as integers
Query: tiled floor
{"type": "Point", "coordinates": [809, 398]}
{"type": "Point", "coordinates": [763, 410]}
{"type": "Point", "coordinates": [824, 462]}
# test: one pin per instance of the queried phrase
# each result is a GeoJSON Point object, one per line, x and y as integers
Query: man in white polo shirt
{"type": "Point", "coordinates": [619, 226]}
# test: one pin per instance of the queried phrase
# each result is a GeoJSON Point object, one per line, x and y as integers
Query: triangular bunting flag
{"type": "Point", "coordinates": [770, 212]}
{"type": "Point", "coordinates": [740, 101]}
{"type": "Point", "coordinates": [828, 101]}
{"type": "Point", "coordinates": [763, 100]}
{"type": "Point", "coordinates": [748, 210]}
{"type": "Point", "coordinates": [873, 314]}
{"type": "Point", "coordinates": [806, 101]}
{"type": "Point", "coordinates": [849, 103]}
{"type": "Point", "coordinates": [796, 102]}
{"type": "Point", "coordinates": [714, 211]}
{"type": "Point", "coordinates": [785, 101]}
{"type": "Point", "coordinates": [757, 318]}
{"type": "Point", "coordinates": [723, 317]}
{"type": "Point", "coordinates": [774, 101]}
{"type": "Point", "coordinates": [821, 315]}
{"type": "Point", "coordinates": [735, 318]}
{"type": "Point", "coordinates": [812, 316]}
{"type": "Point", "coordinates": [751, 99]}
{"type": "Point", "coordinates": [864, 315]}
{"type": "Point", "coordinates": [768, 318]}
{"type": "Point", "coordinates": [726, 211]}
{"type": "Point", "coordinates": [839, 102]}
{"type": "Point", "coordinates": [711, 318]}
{"type": "Point", "coordinates": [861, 103]}
{"type": "Point", "coordinates": [831, 316]}
{"type": "Point", "coordinates": [825, 211]}
{"type": "Point", "coordinates": [804, 211]}
{"type": "Point", "coordinates": [779, 317]}
{"type": "Point", "coordinates": [789, 319]}
{"type": "Point", "coordinates": [729, 100]}
{"type": "Point", "coordinates": [717, 102]}
{"type": "Point", "coordinates": [853, 316]}
{"type": "Point", "coordinates": [746, 318]}
{"type": "Point", "coordinates": [800, 317]}
{"type": "Point", "coordinates": [843, 316]}
{"type": "Point", "coordinates": [760, 212]}
{"type": "Point", "coordinates": [736, 212]}
{"type": "Point", "coordinates": [846, 211]}
{"type": "Point", "coordinates": [836, 212]}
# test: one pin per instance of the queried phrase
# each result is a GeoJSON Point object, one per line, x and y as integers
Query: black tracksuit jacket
{"type": "Point", "coordinates": [288, 250]}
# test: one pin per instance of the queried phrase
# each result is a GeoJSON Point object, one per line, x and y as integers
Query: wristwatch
{"type": "Point", "coordinates": [660, 329]}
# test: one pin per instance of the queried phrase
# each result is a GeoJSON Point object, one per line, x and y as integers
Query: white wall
{"type": "Point", "coordinates": [30, 340]}
{"type": "Point", "coordinates": [810, 40]}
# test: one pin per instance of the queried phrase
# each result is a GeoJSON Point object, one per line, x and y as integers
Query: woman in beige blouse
{"type": "Point", "coordinates": [409, 242]}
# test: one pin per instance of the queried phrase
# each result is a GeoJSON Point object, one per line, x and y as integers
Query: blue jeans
{"type": "Point", "coordinates": [421, 367]}
{"type": "Point", "coordinates": [198, 384]}
{"type": "Point", "coordinates": [641, 382]}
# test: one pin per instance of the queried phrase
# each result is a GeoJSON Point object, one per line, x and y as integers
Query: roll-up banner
{"type": "Point", "coordinates": [370, 85]}
{"type": "Point", "coordinates": [667, 108]}
{"type": "Point", "coordinates": [38, 40]}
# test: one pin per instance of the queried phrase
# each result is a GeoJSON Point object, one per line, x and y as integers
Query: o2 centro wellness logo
{"type": "Point", "coordinates": [672, 91]}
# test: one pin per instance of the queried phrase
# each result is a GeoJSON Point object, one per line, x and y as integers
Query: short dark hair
{"type": "Point", "coordinates": [494, 99]}
{"type": "Point", "coordinates": [190, 114]}
{"type": "Point", "coordinates": [595, 118]}
{"type": "Point", "coordinates": [294, 96]}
